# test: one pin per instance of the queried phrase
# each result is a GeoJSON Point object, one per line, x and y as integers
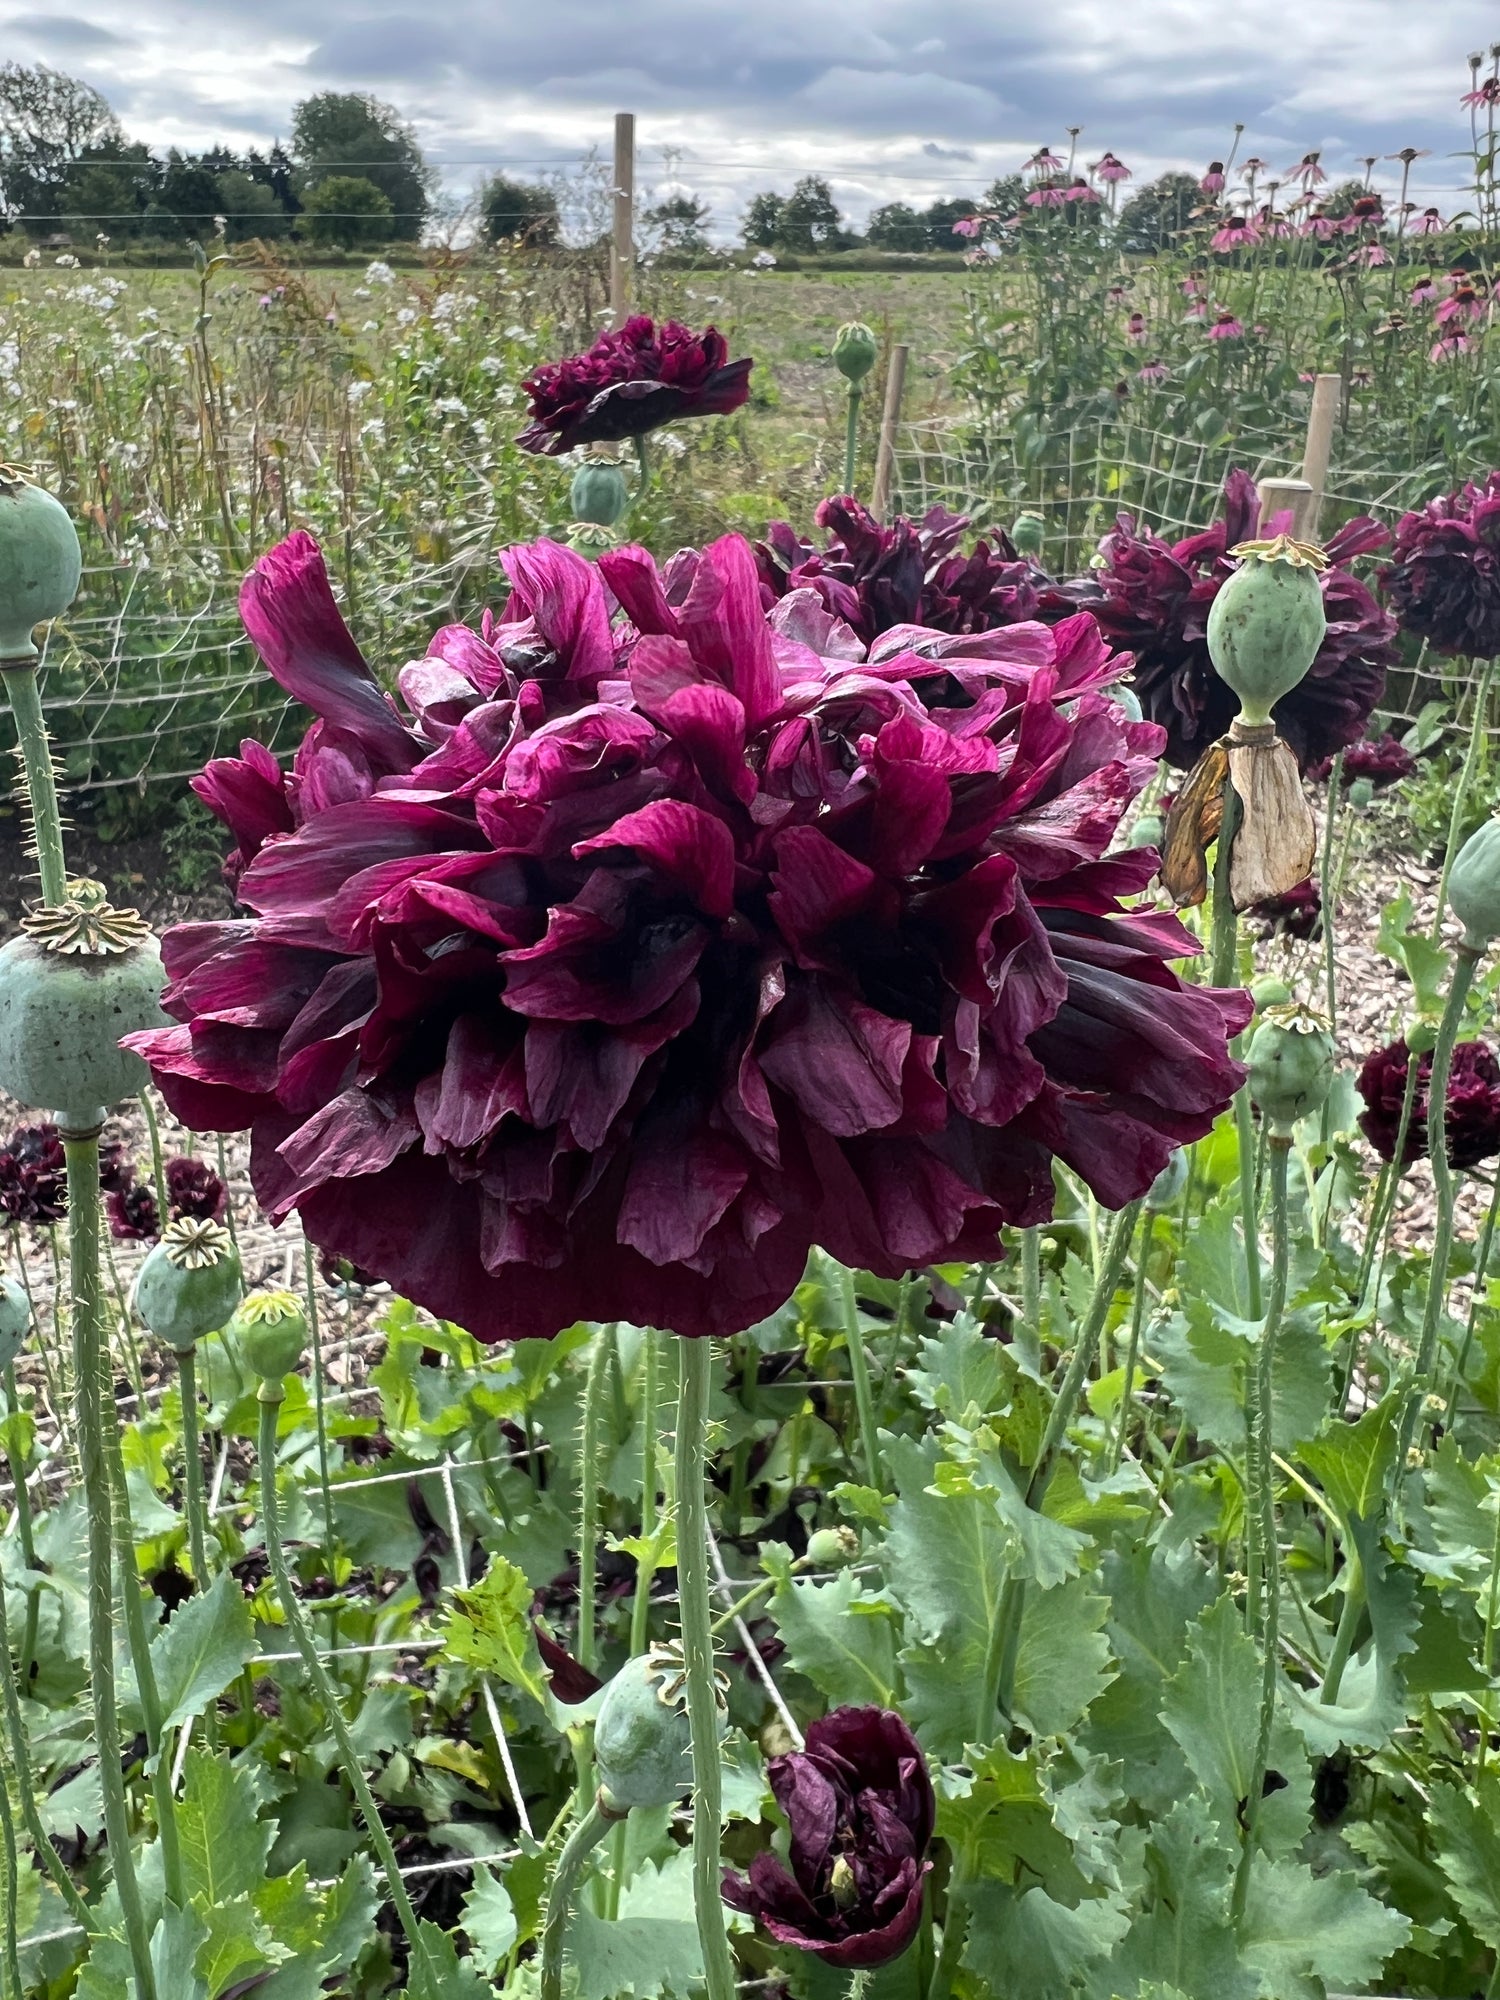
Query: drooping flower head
{"type": "Point", "coordinates": [1443, 579]}
{"type": "Point", "coordinates": [632, 382]}
{"type": "Point", "coordinates": [861, 1809]}
{"type": "Point", "coordinates": [1109, 169]}
{"type": "Point", "coordinates": [1238, 232]}
{"type": "Point", "coordinates": [652, 950]}
{"type": "Point", "coordinates": [1226, 326]}
{"type": "Point", "coordinates": [1307, 170]}
{"type": "Point", "coordinates": [1296, 913]}
{"type": "Point", "coordinates": [195, 1190]}
{"type": "Point", "coordinates": [1152, 598]}
{"type": "Point", "coordinates": [1473, 1118]}
{"type": "Point", "coordinates": [1212, 182]}
{"type": "Point", "coordinates": [133, 1214]}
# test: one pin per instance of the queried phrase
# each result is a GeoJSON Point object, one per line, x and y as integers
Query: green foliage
{"type": "Point", "coordinates": [347, 210]}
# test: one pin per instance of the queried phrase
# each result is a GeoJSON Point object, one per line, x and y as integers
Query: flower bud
{"type": "Point", "coordinates": [270, 1329]}
{"type": "Point", "coordinates": [1269, 991]}
{"type": "Point", "coordinates": [1169, 1183]}
{"type": "Point", "coordinates": [15, 1320]}
{"type": "Point", "coordinates": [1267, 622]}
{"type": "Point", "coordinates": [1291, 1060]}
{"type": "Point", "coordinates": [190, 1284]}
{"type": "Point", "coordinates": [642, 1739]}
{"type": "Point", "coordinates": [832, 1548]}
{"type": "Point", "coordinates": [1147, 831]}
{"type": "Point", "coordinates": [1028, 532]}
{"type": "Point", "coordinates": [599, 494]}
{"type": "Point", "coordinates": [40, 562]}
{"type": "Point", "coordinates": [1473, 886]}
{"type": "Point", "coordinates": [1421, 1038]}
{"type": "Point", "coordinates": [854, 351]}
{"type": "Point", "coordinates": [1361, 794]}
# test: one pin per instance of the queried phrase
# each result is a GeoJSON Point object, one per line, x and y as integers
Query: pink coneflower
{"type": "Point", "coordinates": [1047, 194]}
{"type": "Point", "coordinates": [1368, 212]}
{"type": "Point", "coordinates": [1115, 294]}
{"type": "Point", "coordinates": [1462, 303]}
{"type": "Point", "coordinates": [967, 225]}
{"type": "Point", "coordinates": [1192, 285]}
{"type": "Point", "coordinates": [1428, 223]}
{"type": "Point", "coordinates": [1487, 92]}
{"type": "Point", "coordinates": [1449, 347]}
{"type": "Point", "coordinates": [1361, 378]}
{"type": "Point", "coordinates": [1043, 161]}
{"type": "Point", "coordinates": [1226, 327]}
{"type": "Point", "coordinates": [1424, 291]}
{"type": "Point", "coordinates": [1213, 181]}
{"type": "Point", "coordinates": [1236, 234]}
{"type": "Point", "coordinates": [1110, 169]}
{"type": "Point", "coordinates": [1307, 171]}
{"type": "Point", "coordinates": [1198, 309]}
{"type": "Point", "coordinates": [1079, 190]}
{"type": "Point", "coordinates": [1269, 223]}
{"type": "Point", "coordinates": [1373, 255]}
{"type": "Point", "coordinates": [1153, 371]}
{"type": "Point", "coordinates": [1135, 328]}
{"type": "Point", "coordinates": [1319, 225]}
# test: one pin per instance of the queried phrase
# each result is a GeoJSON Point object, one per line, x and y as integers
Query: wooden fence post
{"type": "Point", "coordinates": [885, 456]}
{"type": "Point", "coordinates": [1319, 447]}
{"type": "Point", "coordinates": [1276, 495]}
{"type": "Point", "coordinates": [622, 246]}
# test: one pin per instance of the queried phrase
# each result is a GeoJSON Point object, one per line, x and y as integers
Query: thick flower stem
{"type": "Point", "coordinates": [1465, 965]}
{"type": "Point", "coordinates": [13, 1987]}
{"type": "Point", "coordinates": [1476, 1300]}
{"type": "Point", "coordinates": [195, 1502]}
{"type": "Point", "coordinates": [859, 1371]}
{"type": "Point", "coordinates": [577, 1848]}
{"type": "Point", "coordinates": [588, 1496]}
{"type": "Point", "coordinates": [322, 1686]}
{"type": "Point", "coordinates": [18, 1471]}
{"type": "Point", "coordinates": [640, 1609]}
{"type": "Point", "coordinates": [1261, 1386]}
{"type": "Point", "coordinates": [1005, 1630]}
{"type": "Point", "coordinates": [1132, 1351]}
{"type": "Point", "coordinates": [82, 1156]}
{"type": "Point", "coordinates": [851, 437]}
{"type": "Point", "coordinates": [1327, 893]}
{"type": "Point", "coordinates": [1223, 972]}
{"type": "Point", "coordinates": [696, 1360]}
{"type": "Point", "coordinates": [22, 685]}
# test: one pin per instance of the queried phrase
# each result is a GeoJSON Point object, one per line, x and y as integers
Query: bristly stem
{"type": "Point", "coordinates": [640, 1610]}
{"type": "Point", "coordinates": [24, 689]}
{"type": "Point", "coordinates": [301, 1636]}
{"type": "Point", "coordinates": [82, 1156]}
{"type": "Point", "coordinates": [158, 1164]}
{"type": "Point", "coordinates": [859, 1371]}
{"type": "Point", "coordinates": [13, 1987]}
{"type": "Point", "coordinates": [851, 437]}
{"type": "Point", "coordinates": [1132, 1351]}
{"type": "Point", "coordinates": [1476, 1300]}
{"type": "Point", "coordinates": [697, 1360]}
{"type": "Point", "coordinates": [577, 1848]}
{"type": "Point", "coordinates": [588, 1497]}
{"type": "Point", "coordinates": [1261, 1386]}
{"type": "Point", "coordinates": [18, 1477]}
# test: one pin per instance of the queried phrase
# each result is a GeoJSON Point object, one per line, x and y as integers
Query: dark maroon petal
{"type": "Point", "coordinates": [561, 592]}
{"type": "Point", "coordinates": [570, 1680]}
{"type": "Point", "coordinates": [686, 846]}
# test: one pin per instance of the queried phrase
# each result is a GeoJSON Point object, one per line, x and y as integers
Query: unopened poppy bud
{"type": "Point", "coordinates": [1473, 886]}
{"type": "Point", "coordinates": [1265, 626]}
{"type": "Point", "coordinates": [15, 1320]}
{"type": "Point", "coordinates": [1361, 792]}
{"type": "Point", "coordinates": [854, 351]}
{"type": "Point", "coordinates": [599, 494]}
{"type": "Point", "coordinates": [1147, 831]}
{"type": "Point", "coordinates": [270, 1329]}
{"type": "Point", "coordinates": [832, 1548]}
{"type": "Point", "coordinates": [1421, 1038]}
{"type": "Point", "coordinates": [1291, 1067]}
{"type": "Point", "coordinates": [40, 562]}
{"type": "Point", "coordinates": [1028, 532]}
{"type": "Point", "coordinates": [1269, 992]}
{"type": "Point", "coordinates": [1169, 1183]}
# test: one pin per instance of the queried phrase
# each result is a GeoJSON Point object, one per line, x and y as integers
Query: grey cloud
{"type": "Point", "coordinates": [67, 33]}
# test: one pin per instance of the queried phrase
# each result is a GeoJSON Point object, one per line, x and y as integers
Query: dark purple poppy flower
{"type": "Point", "coordinates": [713, 937]}
{"type": "Point", "coordinates": [1381, 760]}
{"type": "Point", "coordinates": [1473, 1122]}
{"type": "Point", "coordinates": [632, 382]}
{"type": "Point", "coordinates": [133, 1215]}
{"type": "Point", "coordinates": [1152, 598]}
{"type": "Point", "coordinates": [194, 1189]}
{"type": "Point", "coordinates": [33, 1175]}
{"type": "Point", "coordinates": [860, 1807]}
{"type": "Point", "coordinates": [249, 793]}
{"type": "Point", "coordinates": [1297, 912]}
{"type": "Point", "coordinates": [1444, 575]}
{"type": "Point", "coordinates": [115, 1167]}
{"type": "Point", "coordinates": [571, 1681]}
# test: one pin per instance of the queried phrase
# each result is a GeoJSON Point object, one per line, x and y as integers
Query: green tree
{"type": "Point", "coordinates": [187, 199]}
{"type": "Point", "coordinates": [343, 134]}
{"type": "Point", "coordinates": [348, 211]}
{"type": "Point", "coordinates": [521, 209]}
{"type": "Point", "coordinates": [809, 217]}
{"type": "Point", "coordinates": [896, 226]}
{"type": "Point", "coordinates": [49, 122]}
{"type": "Point", "coordinates": [938, 220]}
{"type": "Point", "coordinates": [250, 208]}
{"type": "Point", "coordinates": [109, 196]}
{"type": "Point", "coordinates": [1156, 215]}
{"type": "Point", "coordinates": [762, 222]}
{"type": "Point", "coordinates": [682, 221]}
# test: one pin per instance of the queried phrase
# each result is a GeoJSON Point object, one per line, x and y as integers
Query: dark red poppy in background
{"type": "Point", "coordinates": [1473, 1122]}
{"type": "Point", "coordinates": [632, 382]}
{"type": "Point", "coordinates": [1444, 575]}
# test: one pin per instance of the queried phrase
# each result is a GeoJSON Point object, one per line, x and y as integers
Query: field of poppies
{"type": "Point", "coordinates": [788, 1290]}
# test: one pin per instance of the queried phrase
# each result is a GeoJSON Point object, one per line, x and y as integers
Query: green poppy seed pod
{"type": "Point", "coordinates": [40, 562]}
{"type": "Point", "coordinates": [79, 977]}
{"type": "Point", "coordinates": [832, 1548]}
{"type": "Point", "coordinates": [270, 1330]}
{"type": "Point", "coordinates": [1268, 991]}
{"type": "Point", "coordinates": [1291, 1066]}
{"type": "Point", "coordinates": [642, 1739]}
{"type": "Point", "coordinates": [1361, 794]}
{"type": "Point", "coordinates": [1474, 885]}
{"type": "Point", "coordinates": [854, 351]}
{"type": "Point", "coordinates": [1421, 1038]}
{"type": "Point", "coordinates": [1267, 623]}
{"type": "Point", "coordinates": [15, 1320]}
{"type": "Point", "coordinates": [190, 1284]}
{"type": "Point", "coordinates": [1147, 831]}
{"type": "Point", "coordinates": [599, 494]}
{"type": "Point", "coordinates": [1123, 695]}
{"type": "Point", "coordinates": [1167, 1188]}
{"type": "Point", "coordinates": [1028, 532]}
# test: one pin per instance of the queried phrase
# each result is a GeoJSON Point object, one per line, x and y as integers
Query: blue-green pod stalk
{"type": "Point", "coordinates": [40, 562]}
{"type": "Point", "coordinates": [1267, 622]}
{"type": "Point", "coordinates": [190, 1284]}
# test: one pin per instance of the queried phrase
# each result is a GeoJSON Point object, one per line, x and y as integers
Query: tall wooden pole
{"type": "Point", "coordinates": [1318, 450]}
{"type": "Point", "coordinates": [885, 456]}
{"type": "Point", "coordinates": [622, 248]}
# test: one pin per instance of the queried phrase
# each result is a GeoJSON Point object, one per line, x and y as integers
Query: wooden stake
{"type": "Point", "coordinates": [1276, 495]}
{"type": "Point", "coordinates": [622, 248]}
{"type": "Point", "coordinates": [1319, 447]}
{"type": "Point", "coordinates": [885, 457]}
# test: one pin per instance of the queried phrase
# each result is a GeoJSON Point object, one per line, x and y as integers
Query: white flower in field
{"type": "Point", "coordinates": [357, 391]}
{"type": "Point", "coordinates": [491, 364]}
{"type": "Point", "coordinates": [371, 326]}
{"type": "Point", "coordinates": [30, 261]}
{"type": "Point", "coordinates": [406, 317]}
{"type": "Point", "coordinates": [148, 315]}
{"type": "Point", "coordinates": [106, 302]}
{"type": "Point", "coordinates": [506, 393]}
{"type": "Point", "coordinates": [66, 262]}
{"type": "Point", "coordinates": [517, 332]}
{"type": "Point", "coordinates": [763, 260]}
{"type": "Point", "coordinates": [451, 406]}
{"type": "Point", "coordinates": [10, 357]}
{"type": "Point", "coordinates": [671, 443]}
{"type": "Point", "coordinates": [379, 273]}
{"type": "Point", "coordinates": [374, 429]}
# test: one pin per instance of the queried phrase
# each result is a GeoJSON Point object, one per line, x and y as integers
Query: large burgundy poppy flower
{"type": "Point", "coordinates": [1152, 597]}
{"type": "Point", "coordinates": [669, 939]}
{"type": "Point", "coordinates": [1380, 760]}
{"type": "Point", "coordinates": [1473, 1121]}
{"type": "Point", "coordinates": [1444, 574]}
{"type": "Point", "coordinates": [860, 1807]}
{"type": "Point", "coordinates": [632, 382]}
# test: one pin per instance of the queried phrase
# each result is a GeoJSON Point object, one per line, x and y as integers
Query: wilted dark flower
{"type": "Point", "coordinates": [33, 1175]}
{"type": "Point", "coordinates": [1297, 912]}
{"type": "Point", "coordinates": [133, 1215]}
{"type": "Point", "coordinates": [1383, 760]}
{"type": "Point", "coordinates": [860, 1807]}
{"type": "Point", "coordinates": [1444, 574]}
{"type": "Point", "coordinates": [1152, 598]}
{"type": "Point", "coordinates": [664, 951]}
{"type": "Point", "coordinates": [1473, 1122]}
{"type": "Point", "coordinates": [632, 382]}
{"type": "Point", "coordinates": [193, 1188]}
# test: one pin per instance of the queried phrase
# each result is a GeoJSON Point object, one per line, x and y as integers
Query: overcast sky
{"type": "Point", "coordinates": [891, 99]}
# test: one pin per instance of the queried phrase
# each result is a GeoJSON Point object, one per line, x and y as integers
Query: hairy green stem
{"type": "Point", "coordinates": [1226, 927]}
{"type": "Point", "coordinates": [1261, 1387]}
{"type": "Point", "coordinates": [195, 1502]}
{"type": "Point", "coordinates": [955, 1924]}
{"type": "Point", "coordinates": [588, 1496]}
{"type": "Point", "coordinates": [577, 1848]}
{"type": "Point", "coordinates": [859, 1370]}
{"type": "Point", "coordinates": [1343, 1637]}
{"type": "Point", "coordinates": [322, 1686]}
{"type": "Point", "coordinates": [1476, 1300]}
{"type": "Point", "coordinates": [82, 1157]}
{"type": "Point", "coordinates": [158, 1163]}
{"type": "Point", "coordinates": [640, 1609]}
{"type": "Point", "coordinates": [696, 1359]}
{"type": "Point", "coordinates": [13, 1987]}
{"type": "Point", "coordinates": [18, 1469]}
{"type": "Point", "coordinates": [24, 689]}
{"type": "Point", "coordinates": [1133, 1348]}
{"type": "Point", "coordinates": [1326, 891]}
{"type": "Point", "coordinates": [851, 436]}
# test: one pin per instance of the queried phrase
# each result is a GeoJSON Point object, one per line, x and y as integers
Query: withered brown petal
{"type": "Point", "coordinates": [1193, 826]}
